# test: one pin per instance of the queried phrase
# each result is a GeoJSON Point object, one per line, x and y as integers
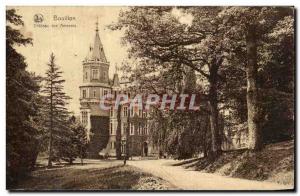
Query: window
{"type": "Point", "coordinates": [146, 127]}
{"type": "Point", "coordinates": [94, 94]}
{"type": "Point", "coordinates": [86, 75]}
{"type": "Point", "coordinates": [104, 75]}
{"type": "Point", "coordinates": [140, 112]}
{"type": "Point", "coordinates": [105, 92]}
{"type": "Point", "coordinates": [122, 148]}
{"type": "Point", "coordinates": [111, 128]}
{"type": "Point", "coordinates": [131, 129]}
{"type": "Point", "coordinates": [95, 74]}
{"type": "Point", "coordinates": [140, 129]}
{"type": "Point", "coordinates": [144, 114]}
{"type": "Point", "coordinates": [84, 93]}
{"type": "Point", "coordinates": [84, 118]}
{"type": "Point", "coordinates": [125, 110]}
{"type": "Point", "coordinates": [112, 145]}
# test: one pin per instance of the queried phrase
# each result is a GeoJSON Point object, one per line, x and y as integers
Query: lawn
{"type": "Point", "coordinates": [101, 176]}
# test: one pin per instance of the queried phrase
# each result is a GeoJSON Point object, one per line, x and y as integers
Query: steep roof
{"type": "Point", "coordinates": [97, 52]}
{"type": "Point", "coordinates": [116, 82]}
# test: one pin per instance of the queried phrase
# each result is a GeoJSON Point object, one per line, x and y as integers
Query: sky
{"type": "Point", "coordinates": [70, 45]}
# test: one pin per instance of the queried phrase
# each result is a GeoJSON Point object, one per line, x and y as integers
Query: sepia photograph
{"type": "Point", "coordinates": [150, 98]}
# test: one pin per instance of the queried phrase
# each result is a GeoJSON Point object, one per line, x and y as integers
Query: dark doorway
{"type": "Point", "coordinates": [145, 147]}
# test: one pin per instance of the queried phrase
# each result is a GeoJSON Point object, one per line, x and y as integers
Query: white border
{"type": "Point", "coordinates": [153, 2]}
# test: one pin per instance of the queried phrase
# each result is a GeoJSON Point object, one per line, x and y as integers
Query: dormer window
{"type": "Point", "coordinates": [83, 93]}
{"type": "Point", "coordinates": [95, 74]}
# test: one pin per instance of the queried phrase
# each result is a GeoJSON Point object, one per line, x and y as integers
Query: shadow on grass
{"type": "Point", "coordinates": [112, 178]}
{"type": "Point", "coordinates": [275, 162]}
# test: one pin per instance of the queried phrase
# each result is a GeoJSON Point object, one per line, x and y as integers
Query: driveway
{"type": "Point", "coordinates": [195, 180]}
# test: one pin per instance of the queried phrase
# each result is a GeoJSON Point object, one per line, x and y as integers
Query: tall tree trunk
{"type": "Point", "coordinates": [51, 128]}
{"type": "Point", "coordinates": [204, 138]}
{"type": "Point", "coordinates": [255, 142]}
{"type": "Point", "coordinates": [215, 136]}
{"type": "Point", "coordinates": [213, 108]}
{"type": "Point", "coordinates": [118, 134]}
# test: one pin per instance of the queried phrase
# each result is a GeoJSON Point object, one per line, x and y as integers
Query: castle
{"type": "Point", "coordinates": [102, 124]}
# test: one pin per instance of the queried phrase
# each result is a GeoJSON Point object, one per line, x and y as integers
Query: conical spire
{"type": "Point", "coordinates": [116, 82]}
{"type": "Point", "coordinates": [97, 50]}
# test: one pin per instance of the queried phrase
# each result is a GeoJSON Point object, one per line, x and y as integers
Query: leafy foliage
{"type": "Point", "coordinates": [22, 104]}
{"type": "Point", "coordinates": [75, 144]}
{"type": "Point", "coordinates": [212, 41]}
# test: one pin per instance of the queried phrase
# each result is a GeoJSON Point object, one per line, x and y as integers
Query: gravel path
{"type": "Point", "coordinates": [195, 180]}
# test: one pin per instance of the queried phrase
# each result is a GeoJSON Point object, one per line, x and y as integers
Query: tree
{"type": "Point", "coordinates": [22, 104]}
{"type": "Point", "coordinates": [225, 46]}
{"type": "Point", "coordinates": [75, 144]}
{"type": "Point", "coordinates": [159, 41]}
{"type": "Point", "coordinates": [252, 88]}
{"type": "Point", "coordinates": [277, 79]}
{"type": "Point", "coordinates": [81, 139]}
{"type": "Point", "coordinates": [55, 108]}
{"type": "Point", "coordinates": [253, 23]}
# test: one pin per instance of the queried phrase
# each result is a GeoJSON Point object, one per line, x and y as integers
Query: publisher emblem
{"type": "Point", "coordinates": [38, 18]}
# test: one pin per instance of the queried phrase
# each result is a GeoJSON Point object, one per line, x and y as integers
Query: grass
{"type": "Point", "coordinates": [108, 177]}
{"type": "Point", "coordinates": [275, 163]}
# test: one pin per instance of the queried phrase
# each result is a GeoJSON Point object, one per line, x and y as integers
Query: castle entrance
{"type": "Point", "coordinates": [145, 149]}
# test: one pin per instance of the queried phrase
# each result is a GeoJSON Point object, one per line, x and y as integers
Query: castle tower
{"type": "Point", "coordinates": [102, 125]}
{"type": "Point", "coordinates": [95, 84]}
